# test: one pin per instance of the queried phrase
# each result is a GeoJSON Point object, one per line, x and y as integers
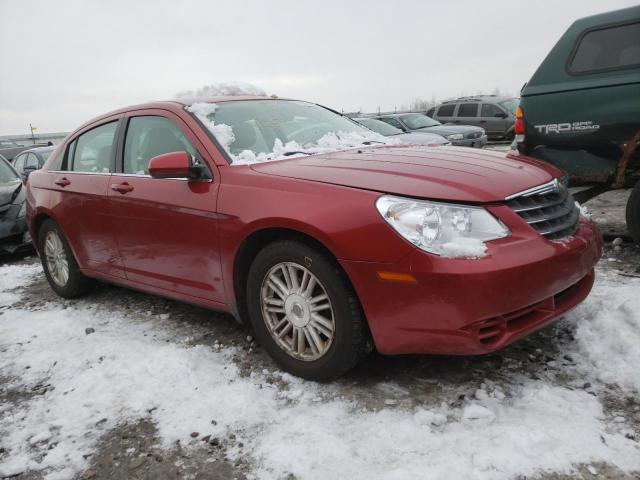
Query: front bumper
{"type": "Point", "coordinates": [471, 142]}
{"type": "Point", "coordinates": [467, 307]}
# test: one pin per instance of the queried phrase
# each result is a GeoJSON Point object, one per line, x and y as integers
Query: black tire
{"type": "Point", "coordinates": [351, 336]}
{"type": "Point", "coordinates": [633, 213]}
{"type": "Point", "coordinates": [77, 284]}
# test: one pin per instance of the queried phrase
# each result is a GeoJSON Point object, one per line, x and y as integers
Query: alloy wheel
{"type": "Point", "coordinates": [297, 311]}
{"type": "Point", "coordinates": [56, 258]}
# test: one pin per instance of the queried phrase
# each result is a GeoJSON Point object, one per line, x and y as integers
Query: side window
{"type": "Point", "coordinates": [148, 137]}
{"type": "Point", "coordinates": [490, 110]}
{"type": "Point", "coordinates": [468, 110]}
{"type": "Point", "coordinates": [93, 150]}
{"type": "Point", "coordinates": [32, 161]}
{"type": "Point", "coordinates": [18, 163]}
{"type": "Point", "coordinates": [446, 110]}
{"type": "Point", "coordinates": [393, 122]}
{"type": "Point", "coordinates": [613, 47]}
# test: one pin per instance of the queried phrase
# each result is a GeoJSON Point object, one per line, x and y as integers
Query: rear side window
{"type": "Point", "coordinates": [607, 48]}
{"type": "Point", "coordinates": [490, 110]}
{"type": "Point", "coordinates": [148, 137]}
{"type": "Point", "coordinates": [446, 110]}
{"type": "Point", "coordinates": [431, 111]}
{"type": "Point", "coordinates": [468, 110]}
{"type": "Point", "coordinates": [93, 151]}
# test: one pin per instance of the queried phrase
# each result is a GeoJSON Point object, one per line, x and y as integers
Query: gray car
{"type": "Point", "coordinates": [413, 138]}
{"type": "Point", "coordinates": [495, 114]}
{"type": "Point", "coordinates": [31, 160]}
{"type": "Point", "coordinates": [460, 135]}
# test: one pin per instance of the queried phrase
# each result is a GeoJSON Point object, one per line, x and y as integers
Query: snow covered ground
{"type": "Point", "coordinates": [125, 385]}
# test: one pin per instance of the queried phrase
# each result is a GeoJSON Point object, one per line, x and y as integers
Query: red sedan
{"type": "Point", "coordinates": [323, 236]}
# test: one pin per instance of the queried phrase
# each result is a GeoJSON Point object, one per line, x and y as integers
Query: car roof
{"type": "Point", "coordinates": [177, 104]}
{"type": "Point", "coordinates": [48, 148]}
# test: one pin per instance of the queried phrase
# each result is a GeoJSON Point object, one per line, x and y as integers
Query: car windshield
{"type": "Point", "coordinates": [7, 174]}
{"type": "Point", "coordinates": [510, 105]}
{"type": "Point", "coordinates": [417, 120]}
{"type": "Point", "coordinates": [263, 130]}
{"type": "Point", "coordinates": [379, 126]}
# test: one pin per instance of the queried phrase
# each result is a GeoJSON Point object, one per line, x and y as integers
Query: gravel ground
{"type": "Point", "coordinates": [135, 449]}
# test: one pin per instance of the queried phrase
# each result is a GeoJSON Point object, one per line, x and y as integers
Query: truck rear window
{"type": "Point", "coordinates": [607, 48]}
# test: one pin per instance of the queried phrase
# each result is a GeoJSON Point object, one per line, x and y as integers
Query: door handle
{"type": "Point", "coordinates": [63, 182]}
{"type": "Point", "coordinates": [483, 121]}
{"type": "Point", "coordinates": [122, 187]}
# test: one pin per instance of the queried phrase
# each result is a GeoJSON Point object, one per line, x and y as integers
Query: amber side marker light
{"type": "Point", "coordinates": [518, 128]}
{"type": "Point", "coordinates": [397, 277]}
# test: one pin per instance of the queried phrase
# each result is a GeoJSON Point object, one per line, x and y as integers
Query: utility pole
{"type": "Point", "coordinates": [33, 137]}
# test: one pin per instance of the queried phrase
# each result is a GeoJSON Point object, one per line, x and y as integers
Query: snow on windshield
{"type": "Point", "coordinates": [224, 89]}
{"type": "Point", "coordinates": [331, 141]}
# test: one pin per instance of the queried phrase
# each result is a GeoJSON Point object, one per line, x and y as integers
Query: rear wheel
{"type": "Point", "coordinates": [59, 264]}
{"type": "Point", "coordinates": [304, 311]}
{"type": "Point", "coordinates": [633, 213]}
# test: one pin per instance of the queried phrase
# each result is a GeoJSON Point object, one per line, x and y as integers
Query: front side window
{"type": "Point", "coordinates": [490, 110]}
{"type": "Point", "coordinates": [417, 120]}
{"type": "Point", "coordinates": [93, 151]}
{"type": "Point", "coordinates": [446, 110]}
{"type": "Point", "coordinates": [150, 136]}
{"type": "Point", "coordinates": [607, 48]}
{"type": "Point", "coordinates": [32, 161]}
{"type": "Point", "coordinates": [468, 110]}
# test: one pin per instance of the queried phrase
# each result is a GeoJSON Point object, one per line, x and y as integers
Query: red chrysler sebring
{"type": "Point", "coordinates": [328, 238]}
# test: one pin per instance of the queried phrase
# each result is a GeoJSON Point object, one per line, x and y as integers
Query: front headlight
{"type": "Point", "coordinates": [454, 136]}
{"type": "Point", "coordinates": [444, 229]}
{"type": "Point", "coordinates": [23, 210]}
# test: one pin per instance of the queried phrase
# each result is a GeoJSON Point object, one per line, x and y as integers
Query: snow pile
{"type": "Point", "coordinates": [14, 276]}
{"type": "Point", "coordinates": [223, 133]}
{"type": "Point", "coordinates": [224, 89]}
{"type": "Point", "coordinates": [608, 330]}
{"type": "Point", "coordinates": [584, 211]}
{"type": "Point", "coordinates": [133, 367]}
{"type": "Point", "coordinates": [464, 247]}
{"type": "Point", "coordinates": [330, 142]}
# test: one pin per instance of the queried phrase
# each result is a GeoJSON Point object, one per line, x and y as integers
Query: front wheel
{"type": "Point", "coordinates": [304, 311]}
{"type": "Point", "coordinates": [633, 213]}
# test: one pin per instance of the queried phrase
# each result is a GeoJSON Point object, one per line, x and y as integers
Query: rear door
{"type": "Point", "coordinates": [79, 198]}
{"type": "Point", "coordinates": [467, 114]}
{"type": "Point", "coordinates": [493, 119]}
{"type": "Point", "coordinates": [165, 228]}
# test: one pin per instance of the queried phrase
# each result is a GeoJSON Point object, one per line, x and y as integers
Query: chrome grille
{"type": "Point", "coordinates": [549, 208]}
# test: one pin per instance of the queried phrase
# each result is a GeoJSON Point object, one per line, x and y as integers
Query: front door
{"type": "Point", "coordinates": [493, 119]}
{"type": "Point", "coordinates": [165, 228]}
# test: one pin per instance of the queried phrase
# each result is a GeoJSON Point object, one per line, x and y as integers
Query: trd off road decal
{"type": "Point", "coordinates": [588, 126]}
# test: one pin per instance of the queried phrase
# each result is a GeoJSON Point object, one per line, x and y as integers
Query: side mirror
{"type": "Point", "coordinates": [500, 115]}
{"type": "Point", "coordinates": [177, 165]}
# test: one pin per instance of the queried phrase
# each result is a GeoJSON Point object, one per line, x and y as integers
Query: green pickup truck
{"type": "Point", "coordinates": [581, 109]}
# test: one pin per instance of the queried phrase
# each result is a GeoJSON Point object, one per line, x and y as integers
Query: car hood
{"type": "Point", "coordinates": [9, 191]}
{"type": "Point", "coordinates": [439, 173]}
{"type": "Point", "coordinates": [449, 129]}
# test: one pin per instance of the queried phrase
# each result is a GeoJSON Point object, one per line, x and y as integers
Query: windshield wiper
{"type": "Point", "coordinates": [369, 142]}
{"type": "Point", "coordinates": [295, 152]}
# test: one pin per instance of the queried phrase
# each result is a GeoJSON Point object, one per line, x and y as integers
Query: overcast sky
{"type": "Point", "coordinates": [64, 62]}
